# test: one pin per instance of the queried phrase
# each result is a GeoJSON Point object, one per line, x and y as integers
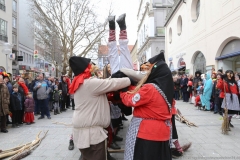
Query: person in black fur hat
{"type": "Point", "coordinates": [92, 112]}
{"type": "Point", "coordinates": [196, 79]}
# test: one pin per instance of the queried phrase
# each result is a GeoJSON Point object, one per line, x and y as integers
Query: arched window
{"type": "Point", "coordinates": [195, 10]}
{"type": "Point", "coordinates": [170, 35]}
{"type": "Point", "coordinates": [179, 25]}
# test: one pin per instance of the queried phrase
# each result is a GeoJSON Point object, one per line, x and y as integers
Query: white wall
{"type": "Point", "coordinates": [217, 24]}
{"type": "Point", "coordinates": [7, 16]}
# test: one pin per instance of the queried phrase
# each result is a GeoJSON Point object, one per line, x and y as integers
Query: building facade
{"type": "Point", "coordinates": [6, 26]}
{"type": "Point", "coordinates": [203, 34]}
{"type": "Point", "coordinates": [151, 33]}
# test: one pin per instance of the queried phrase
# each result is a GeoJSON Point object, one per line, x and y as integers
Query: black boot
{"type": "Point", "coordinates": [230, 124]}
{"type": "Point", "coordinates": [111, 20]}
{"type": "Point", "coordinates": [71, 145]}
{"type": "Point", "coordinates": [55, 112]}
{"type": "Point", "coordinates": [114, 146]}
{"type": "Point", "coordinates": [109, 157]}
{"type": "Point", "coordinates": [121, 22]}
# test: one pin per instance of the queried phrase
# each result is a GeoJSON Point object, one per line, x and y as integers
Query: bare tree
{"type": "Point", "coordinates": [74, 22]}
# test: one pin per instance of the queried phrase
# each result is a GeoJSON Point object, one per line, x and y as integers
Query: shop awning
{"type": "Point", "coordinates": [228, 55]}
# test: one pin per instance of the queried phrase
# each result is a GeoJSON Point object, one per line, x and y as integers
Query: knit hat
{"type": "Point", "coordinates": [157, 58]}
{"type": "Point", "coordinates": [78, 64]}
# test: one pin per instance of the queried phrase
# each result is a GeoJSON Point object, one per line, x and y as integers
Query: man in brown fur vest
{"type": "Point", "coordinates": [4, 103]}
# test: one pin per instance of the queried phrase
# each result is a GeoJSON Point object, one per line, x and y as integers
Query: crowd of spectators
{"type": "Point", "coordinates": [30, 97]}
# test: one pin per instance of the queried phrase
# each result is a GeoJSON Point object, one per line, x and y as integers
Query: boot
{"type": "Point", "coordinates": [230, 124]}
{"type": "Point", "coordinates": [109, 157]}
{"type": "Point", "coordinates": [114, 146]}
{"type": "Point", "coordinates": [55, 112]}
{"type": "Point", "coordinates": [116, 138]}
{"type": "Point", "coordinates": [121, 22]}
{"type": "Point", "coordinates": [111, 20]}
{"type": "Point", "coordinates": [71, 145]}
{"type": "Point", "coordinates": [58, 110]}
{"type": "Point", "coordinates": [177, 145]}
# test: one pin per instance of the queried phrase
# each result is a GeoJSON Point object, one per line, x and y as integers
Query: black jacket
{"type": "Point", "coordinates": [15, 102]}
{"type": "Point", "coordinates": [34, 91]}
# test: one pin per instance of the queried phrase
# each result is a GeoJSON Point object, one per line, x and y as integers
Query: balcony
{"type": "Point", "coordinates": [3, 38]}
{"type": "Point", "coordinates": [2, 7]}
{"type": "Point", "coordinates": [160, 31]}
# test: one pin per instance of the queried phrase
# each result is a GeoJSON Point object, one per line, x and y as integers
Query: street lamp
{"type": "Point", "coordinates": [7, 48]}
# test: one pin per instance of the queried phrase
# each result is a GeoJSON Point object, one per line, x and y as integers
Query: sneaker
{"type": "Point", "coordinates": [40, 117]}
{"type": "Point", "coordinates": [28, 123]}
{"type": "Point", "coordinates": [49, 117]}
{"type": "Point", "coordinates": [71, 145]}
{"type": "Point", "coordinates": [237, 117]}
{"type": "Point", "coordinates": [176, 153]}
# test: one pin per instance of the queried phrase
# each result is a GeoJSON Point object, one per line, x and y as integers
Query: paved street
{"type": "Point", "coordinates": [208, 142]}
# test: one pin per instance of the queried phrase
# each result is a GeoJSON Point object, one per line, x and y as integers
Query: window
{"type": "Point", "coordinates": [179, 25]}
{"type": "Point", "coordinates": [195, 10]}
{"type": "Point", "coordinates": [170, 35]}
{"type": "Point", "coordinates": [2, 5]}
{"type": "Point", "coordinates": [14, 39]}
{"type": "Point", "coordinates": [24, 57]}
{"type": "Point", "coordinates": [160, 31]}
{"type": "Point", "coordinates": [3, 30]}
{"type": "Point", "coordinates": [14, 6]}
{"type": "Point", "coordinates": [14, 22]}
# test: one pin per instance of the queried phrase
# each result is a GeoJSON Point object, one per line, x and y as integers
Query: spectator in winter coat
{"type": "Point", "coordinates": [196, 79]}
{"type": "Point", "coordinates": [176, 82]}
{"type": "Point", "coordinates": [4, 104]}
{"type": "Point", "coordinates": [56, 100]}
{"type": "Point", "coordinates": [184, 87]}
{"type": "Point", "coordinates": [36, 107]}
{"type": "Point", "coordinates": [207, 92]}
{"type": "Point", "coordinates": [43, 89]}
{"type": "Point", "coordinates": [16, 107]}
{"type": "Point", "coordinates": [64, 88]}
{"type": "Point", "coordinates": [215, 94]}
{"type": "Point", "coordinates": [29, 109]}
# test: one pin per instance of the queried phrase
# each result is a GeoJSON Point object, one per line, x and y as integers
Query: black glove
{"type": "Point", "coordinates": [133, 83]}
{"type": "Point", "coordinates": [118, 74]}
{"type": "Point", "coordinates": [124, 89]}
{"type": "Point", "coordinates": [223, 76]}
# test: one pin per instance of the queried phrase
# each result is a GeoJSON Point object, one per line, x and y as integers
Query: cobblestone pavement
{"type": "Point", "coordinates": [207, 140]}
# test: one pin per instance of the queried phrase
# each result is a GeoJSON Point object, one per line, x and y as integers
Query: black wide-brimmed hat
{"type": "Point", "coordinates": [157, 58]}
{"type": "Point", "coordinates": [78, 64]}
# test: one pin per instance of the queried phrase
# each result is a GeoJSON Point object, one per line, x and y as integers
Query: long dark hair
{"type": "Point", "coordinates": [232, 80]}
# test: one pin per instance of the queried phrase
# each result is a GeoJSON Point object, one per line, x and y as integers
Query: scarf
{"type": "Point", "coordinates": [162, 77]}
{"type": "Point", "coordinates": [24, 87]}
{"type": "Point", "coordinates": [78, 80]}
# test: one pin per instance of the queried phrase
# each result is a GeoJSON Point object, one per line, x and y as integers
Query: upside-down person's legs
{"type": "Point", "coordinates": [125, 58]}
{"type": "Point", "coordinates": [113, 55]}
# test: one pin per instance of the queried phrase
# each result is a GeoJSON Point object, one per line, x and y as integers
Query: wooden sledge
{"type": "Point", "coordinates": [116, 150]}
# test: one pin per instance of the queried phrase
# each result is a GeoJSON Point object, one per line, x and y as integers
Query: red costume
{"type": "Point", "coordinates": [153, 107]}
